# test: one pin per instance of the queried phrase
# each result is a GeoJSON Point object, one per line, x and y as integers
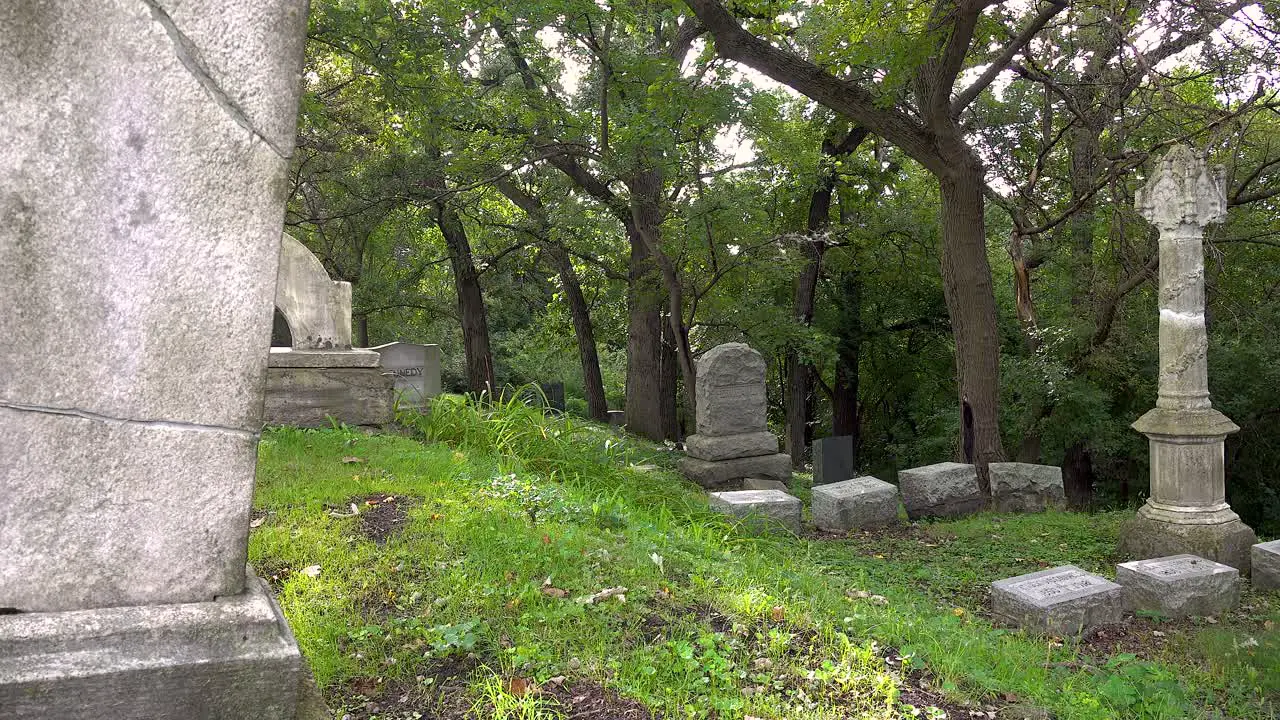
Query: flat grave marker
{"type": "Point", "coordinates": [1062, 601]}
{"type": "Point", "coordinates": [1179, 585]}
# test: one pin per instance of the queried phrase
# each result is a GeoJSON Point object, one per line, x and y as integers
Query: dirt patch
{"type": "Point", "coordinates": [919, 689]}
{"type": "Point", "coordinates": [1146, 638]}
{"type": "Point", "coordinates": [445, 698]}
{"type": "Point", "coordinates": [382, 515]}
{"type": "Point", "coordinates": [440, 694]}
{"type": "Point", "coordinates": [584, 700]}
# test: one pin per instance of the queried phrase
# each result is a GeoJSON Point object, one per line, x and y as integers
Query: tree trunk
{"type": "Point", "coordinates": [967, 285]}
{"type": "Point", "coordinates": [593, 383]}
{"type": "Point", "coordinates": [1078, 477]}
{"type": "Point", "coordinates": [646, 211]}
{"type": "Point", "coordinates": [672, 418]}
{"type": "Point", "coordinates": [475, 323]}
{"type": "Point", "coordinates": [646, 400]}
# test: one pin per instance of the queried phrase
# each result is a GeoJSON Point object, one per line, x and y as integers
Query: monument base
{"type": "Point", "coordinates": [310, 396]}
{"type": "Point", "coordinates": [725, 474]}
{"type": "Point", "coordinates": [1151, 535]}
{"type": "Point", "coordinates": [227, 659]}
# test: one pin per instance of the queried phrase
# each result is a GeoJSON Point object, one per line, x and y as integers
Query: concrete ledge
{"type": "Point", "coordinates": [307, 397]}
{"type": "Point", "coordinates": [282, 357]}
{"type": "Point", "coordinates": [227, 659]}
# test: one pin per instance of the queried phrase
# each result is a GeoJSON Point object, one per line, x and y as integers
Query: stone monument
{"type": "Point", "coordinates": [142, 174]}
{"type": "Point", "coordinates": [832, 460]}
{"type": "Point", "coordinates": [1187, 511]}
{"type": "Point", "coordinates": [415, 370]}
{"type": "Point", "coordinates": [733, 439]}
{"type": "Point", "coordinates": [321, 376]}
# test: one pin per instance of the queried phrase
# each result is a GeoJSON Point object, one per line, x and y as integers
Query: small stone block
{"type": "Point", "coordinates": [1023, 487]}
{"type": "Point", "coordinates": [832, 460]}
{"type": "Point", "coordinates": [617, 418]}
{"type": "Point", "coordinates": [943, 490]}
{"type": "Point", "coordinates": [1266, 565]}
{"type": "Point", "coordinates": [1179, 585]}
{"type": "Point", "coordinates": [769, 505]}
{"type": "Point", "coordinates": [727, 447]}
{"type": "Point", "coordinates": [1060, 601]}
{"type": "Point", "coordinates": [753, 483]}
{"type": "Point", "coordinates": [864, 502]}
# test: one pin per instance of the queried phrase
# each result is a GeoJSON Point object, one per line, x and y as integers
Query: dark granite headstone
{"type": "Point", "coordinates": [833, 460]}
{"type": "Point", "coordinates": [554, 392]}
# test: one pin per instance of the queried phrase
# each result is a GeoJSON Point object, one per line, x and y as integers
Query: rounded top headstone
{"type": "Point", "coordinates": [731, 364]}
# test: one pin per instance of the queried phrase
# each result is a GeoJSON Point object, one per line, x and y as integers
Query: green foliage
{"type": "Point", "coordinates": [715, 620]}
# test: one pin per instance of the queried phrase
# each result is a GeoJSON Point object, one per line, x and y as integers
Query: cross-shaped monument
{"type": "Point", "coordinates": [1187, 511]}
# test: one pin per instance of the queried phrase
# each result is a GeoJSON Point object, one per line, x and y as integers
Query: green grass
{"type": "Point", "coordinates": [517, 519]}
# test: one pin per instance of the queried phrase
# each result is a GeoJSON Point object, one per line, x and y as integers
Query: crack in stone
{"type": "Point", "coordinates": [162, 424]}
{"type": "Point", "coordinates": [189, 55]}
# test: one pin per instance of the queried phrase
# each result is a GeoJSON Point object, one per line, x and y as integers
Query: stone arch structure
{"type": "Point", "coordinates": [317, 309]}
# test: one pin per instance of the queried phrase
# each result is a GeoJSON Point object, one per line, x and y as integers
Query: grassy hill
{"type": "Point", "coordinates": [493, 563]}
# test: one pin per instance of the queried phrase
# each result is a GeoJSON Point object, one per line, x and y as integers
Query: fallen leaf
{"type": "Point", "coordinates": [258, 522]}
{"type": "Point", "coordinates": [311, 571]}
{"type": "Point", "coordinates": [546, 539]}
{"type": "Point", "coordinates": [1267, 624]}
{"type": "Point", "coordinates": [958, 612]}
{"type": "Point", "coordinates": [351, 459]}
{"type": "Point", "coordinates": [554, 592]}
{"type": "Point", "coordinates": [557, 680]}
{"type": "Point", "coordinates": [519, 686]}
{"type": "Point", "coordinates": [778, 613]}
{"type": "Point", "coordinates": [1211, 620]}
{"type": "Point", "coordinates": [436, 516]}
{"type": "Point", "coordinates": [618, 592]}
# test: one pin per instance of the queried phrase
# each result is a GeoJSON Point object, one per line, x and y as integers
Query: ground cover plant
{"type": "Point", "coordinates": [493, 562]}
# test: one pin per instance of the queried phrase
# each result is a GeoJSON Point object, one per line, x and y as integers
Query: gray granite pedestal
{"type": "Point", "coordinates": [227, 659]}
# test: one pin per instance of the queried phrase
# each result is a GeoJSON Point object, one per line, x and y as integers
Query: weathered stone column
{"type": "Point", "coordinates": [1187, 511]}
{"type": "Point", "coordinates": [144, 146]}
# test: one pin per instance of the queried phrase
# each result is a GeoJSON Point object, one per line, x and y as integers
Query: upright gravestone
{"type": "Point", "coordinates": [415, 370]}
{"type": "Point", "coordinates": [1187, 511]}
{"type": "Point", "coordinates": [142, 173]}
{"type": "Point", "coordinates": [733, 439]}
{"type": "Point", "coordinates": [832, 460]}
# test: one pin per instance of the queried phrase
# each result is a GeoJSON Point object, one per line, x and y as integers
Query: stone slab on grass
{"type": "Point", "coordinates": [864, 502]}
{"type": "Point", "coordinates": [1023, 487]}
{"type": "Point", "coordinates": [1266, 565]}
{"type": "Point", "coordinates": [759, 505]}
{"type": "Point", "coordinates": [713, 474]}
{"type": "Point", "coordinates": [727, 447]}
{"type": "Point", "coordinates": [1179, 585]}
{"type": "Point", "coordinates": [943, 490]}
{"type": "Point", "coordinates": [1060, 601]}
